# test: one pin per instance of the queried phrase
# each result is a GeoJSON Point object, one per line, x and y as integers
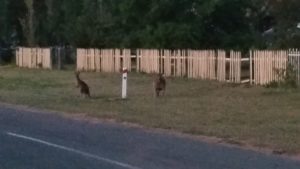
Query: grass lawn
{"type": "Point", "coordinates": [256, 116]}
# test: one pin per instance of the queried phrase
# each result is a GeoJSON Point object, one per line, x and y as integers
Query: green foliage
{"type": "Point", "coordinates": [2, 16]}
{"type": "Point", "coordinates": [12, 11]}
{"type": "Point", "coordinates": [286, 16]}
{"type": "Point", "coordinates": [272, 84]}
{"type": "Point", "coordinates": [234, 24]}
{"type": "Point", "coordinates": [41, 22]}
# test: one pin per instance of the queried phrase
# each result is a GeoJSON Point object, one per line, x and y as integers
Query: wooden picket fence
{"type": "Point", "coordinates": [198, 64]}
{"type": "Point", "coordinates": [162, 61]}
{"type": "Point", "coordinates": [201, 64]}
{"type": "Point", "coordinates": [267, 65]}
{"type": "Point", "coordinates": [103, 60]}
{"type": "Point", "coordinates": [262, 65]}
{"type": "Point", "coordinates": [33, 57]}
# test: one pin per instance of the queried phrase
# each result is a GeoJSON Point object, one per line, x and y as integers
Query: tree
{"type": "Point", "coordinates": [27, 23]}
{"type": "Point", "coordinates": [237, 24]}
{"type": "Point", "coordinates": [3, 12]}
{"type": "Point", "coordinates": [15, 10]}
{"type": "Point", "coordinates": [230, 25]}
{"type": "Point", "coordinates": [40, 24]}
{"type": "Point", "coordinates": [287, 16]}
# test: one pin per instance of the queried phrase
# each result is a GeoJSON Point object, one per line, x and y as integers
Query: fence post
{"type": "Point", "coordinates": [124, 83]}
{"type": "Point", "coordinates": [60, 55]}
{"type": "Point", "coordinates": [251, 67]}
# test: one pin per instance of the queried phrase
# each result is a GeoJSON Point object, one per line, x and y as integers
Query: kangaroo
{"type": "Point", "coordinates": [84, 88]}
{"type": "Point", "coordinates": [160, 85]}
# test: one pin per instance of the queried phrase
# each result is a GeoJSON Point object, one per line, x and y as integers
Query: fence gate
{"type": "Point", "coordinates": [294, 61]}
{"type": "Point", "coordinates": [235, 67]}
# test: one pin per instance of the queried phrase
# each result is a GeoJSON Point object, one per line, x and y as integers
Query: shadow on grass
{"type": "Point", "coordinates": [108, 98]}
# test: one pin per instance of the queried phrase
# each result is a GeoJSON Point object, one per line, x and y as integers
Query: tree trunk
{"type": "Point", "coordinates": [28, 24]}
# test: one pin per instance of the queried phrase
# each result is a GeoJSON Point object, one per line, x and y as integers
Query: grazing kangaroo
{"type": "Point", "coordinates": [84, 88]}
{"type": "Point", "coordinates": [159, 85]}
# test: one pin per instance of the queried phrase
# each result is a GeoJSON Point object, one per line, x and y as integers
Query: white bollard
{"type": "Point", "coordinates": [124, 83]}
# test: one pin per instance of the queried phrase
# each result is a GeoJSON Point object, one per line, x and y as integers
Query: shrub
{"type": "Point", "coordinates": [288, 78]}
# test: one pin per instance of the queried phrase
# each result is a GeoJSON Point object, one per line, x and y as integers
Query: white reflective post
{"type": "Point", "coordinates": [124, 83]}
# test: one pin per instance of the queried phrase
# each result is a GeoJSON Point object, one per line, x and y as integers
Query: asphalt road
{"type": "Point", "coordinates": [33, 140]}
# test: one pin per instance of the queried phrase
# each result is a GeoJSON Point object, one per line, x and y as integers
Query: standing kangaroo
{"type": "Point", "coordinates": [84, 88]}
{"type": "Point", "coordinates": [160, 85]}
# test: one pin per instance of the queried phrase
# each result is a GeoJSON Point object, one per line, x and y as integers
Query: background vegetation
{"type": "Point", "coordinates": [234, 24]}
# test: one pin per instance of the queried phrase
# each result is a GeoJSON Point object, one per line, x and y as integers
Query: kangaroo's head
{"type": "Point", "coordinates": [77, 74]}
{"type": "Point", "coordinates": [160, 76]}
